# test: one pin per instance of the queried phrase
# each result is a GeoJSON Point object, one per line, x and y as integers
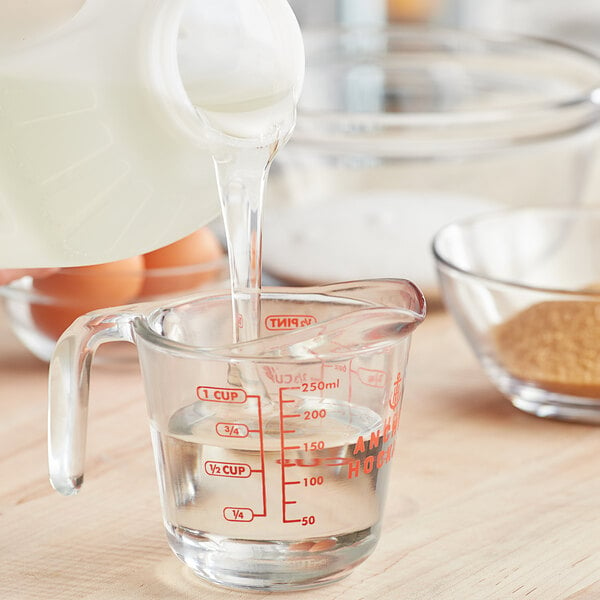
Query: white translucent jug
{"type": "Point", "coordinates": [108, 109]}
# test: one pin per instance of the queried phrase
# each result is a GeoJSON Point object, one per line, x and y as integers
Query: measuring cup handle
{"type": "Point", "coordinates": [69, 391]}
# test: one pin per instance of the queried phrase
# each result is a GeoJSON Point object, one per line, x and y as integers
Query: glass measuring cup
{"type": "Point", "coordinates": [273, 456]}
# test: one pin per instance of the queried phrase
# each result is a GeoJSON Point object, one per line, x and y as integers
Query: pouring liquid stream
{"type": "Point", "coordinates": [246, 101]}
{"type": "Point", "coordinates": [241, 176]}
{"type": "Point", "coordinates": [243, 139]}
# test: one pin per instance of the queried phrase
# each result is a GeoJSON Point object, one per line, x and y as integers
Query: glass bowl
{"type": "Point", "coordinates": [401, 130]}
{"type": "Point", "coordinates": [38, 315]}
{"type": "Point", "coordinates": [524, 287]}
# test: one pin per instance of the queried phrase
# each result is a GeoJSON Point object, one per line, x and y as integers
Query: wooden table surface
{"type": "Point", "coordinates": [485, 502]}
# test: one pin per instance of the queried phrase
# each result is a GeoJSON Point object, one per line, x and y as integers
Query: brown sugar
{"type": "Point", "coordinates": [554, 345]}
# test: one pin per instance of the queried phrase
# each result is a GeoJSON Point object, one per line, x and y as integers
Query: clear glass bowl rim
{"type": "Point", "coordinates": [542, 120]}
{"type": "Point", "coordinates": [18, 290]}
{"type": "Point", "coordinates": [563, 212]}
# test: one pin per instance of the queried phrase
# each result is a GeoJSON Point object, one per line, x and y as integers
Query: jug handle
{"type": "Point", "coordinates": [68, 391]}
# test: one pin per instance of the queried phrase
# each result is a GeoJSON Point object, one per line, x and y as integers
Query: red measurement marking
{"type": "Point", "coordinates": [316, 461]}
{"type": "Point", "coordinates": [292, 482]}
{"type": "Point", "coordinates": [284, 463]}
{"type": "Point", "coordinates": [371, 377]}
{"type": "Point", "coordinates": [288, 322]}
{"type": "Point", "coordinates": [290, 416]}
{"type": "Point", "coordinates": [232, 430]}
{"type": "Point", "coordinates": [292, 447]}
{"type": "Point", "coordinates": [241, 515]}
{"type": "Point", "coordinates": [336, 367]}
{"type": "Point", "coordinates": [397, 393]}
{"type": "Point", "coordinates": [262, 456]}
{"type": "Point", "coordinates": [222, 469]}
{"type": "Point", "coordinates": [215, 394]}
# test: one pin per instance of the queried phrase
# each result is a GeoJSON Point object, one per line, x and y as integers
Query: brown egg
{"type": "Point", "coordinates": [193, 254]}
{"type": "Point", "coordinates": [53, 320]}
{"type": "Point", "coordinates": [78, 290]}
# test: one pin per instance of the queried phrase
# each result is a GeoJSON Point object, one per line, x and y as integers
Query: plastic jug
{"type": "Point", "coordinates": [110, 110]}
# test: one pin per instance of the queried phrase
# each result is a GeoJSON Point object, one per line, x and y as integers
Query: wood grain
{"type": "Point", "coordinates": [486, 503]}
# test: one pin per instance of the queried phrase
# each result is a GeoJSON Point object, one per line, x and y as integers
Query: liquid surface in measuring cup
{"type": "Point", "coordinates": [313, 471]}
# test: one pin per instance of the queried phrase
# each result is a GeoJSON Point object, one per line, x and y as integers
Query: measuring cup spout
{"type": "Point", "coordinates": [387, 309]}
{"type": "Point", "coordinates": [378, 313]}
{"type": "Point", "coordinates": [68, 393]}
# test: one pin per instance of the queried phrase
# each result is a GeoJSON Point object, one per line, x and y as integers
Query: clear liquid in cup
{"type": "Point", "coordinates": [274, 509]}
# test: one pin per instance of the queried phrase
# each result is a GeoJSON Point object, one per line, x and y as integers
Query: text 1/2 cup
{"type": "Point", "coordinates": [273, 455]}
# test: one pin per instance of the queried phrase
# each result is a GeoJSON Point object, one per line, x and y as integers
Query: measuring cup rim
{"type": "Point", "coordinates": [411, 315]}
